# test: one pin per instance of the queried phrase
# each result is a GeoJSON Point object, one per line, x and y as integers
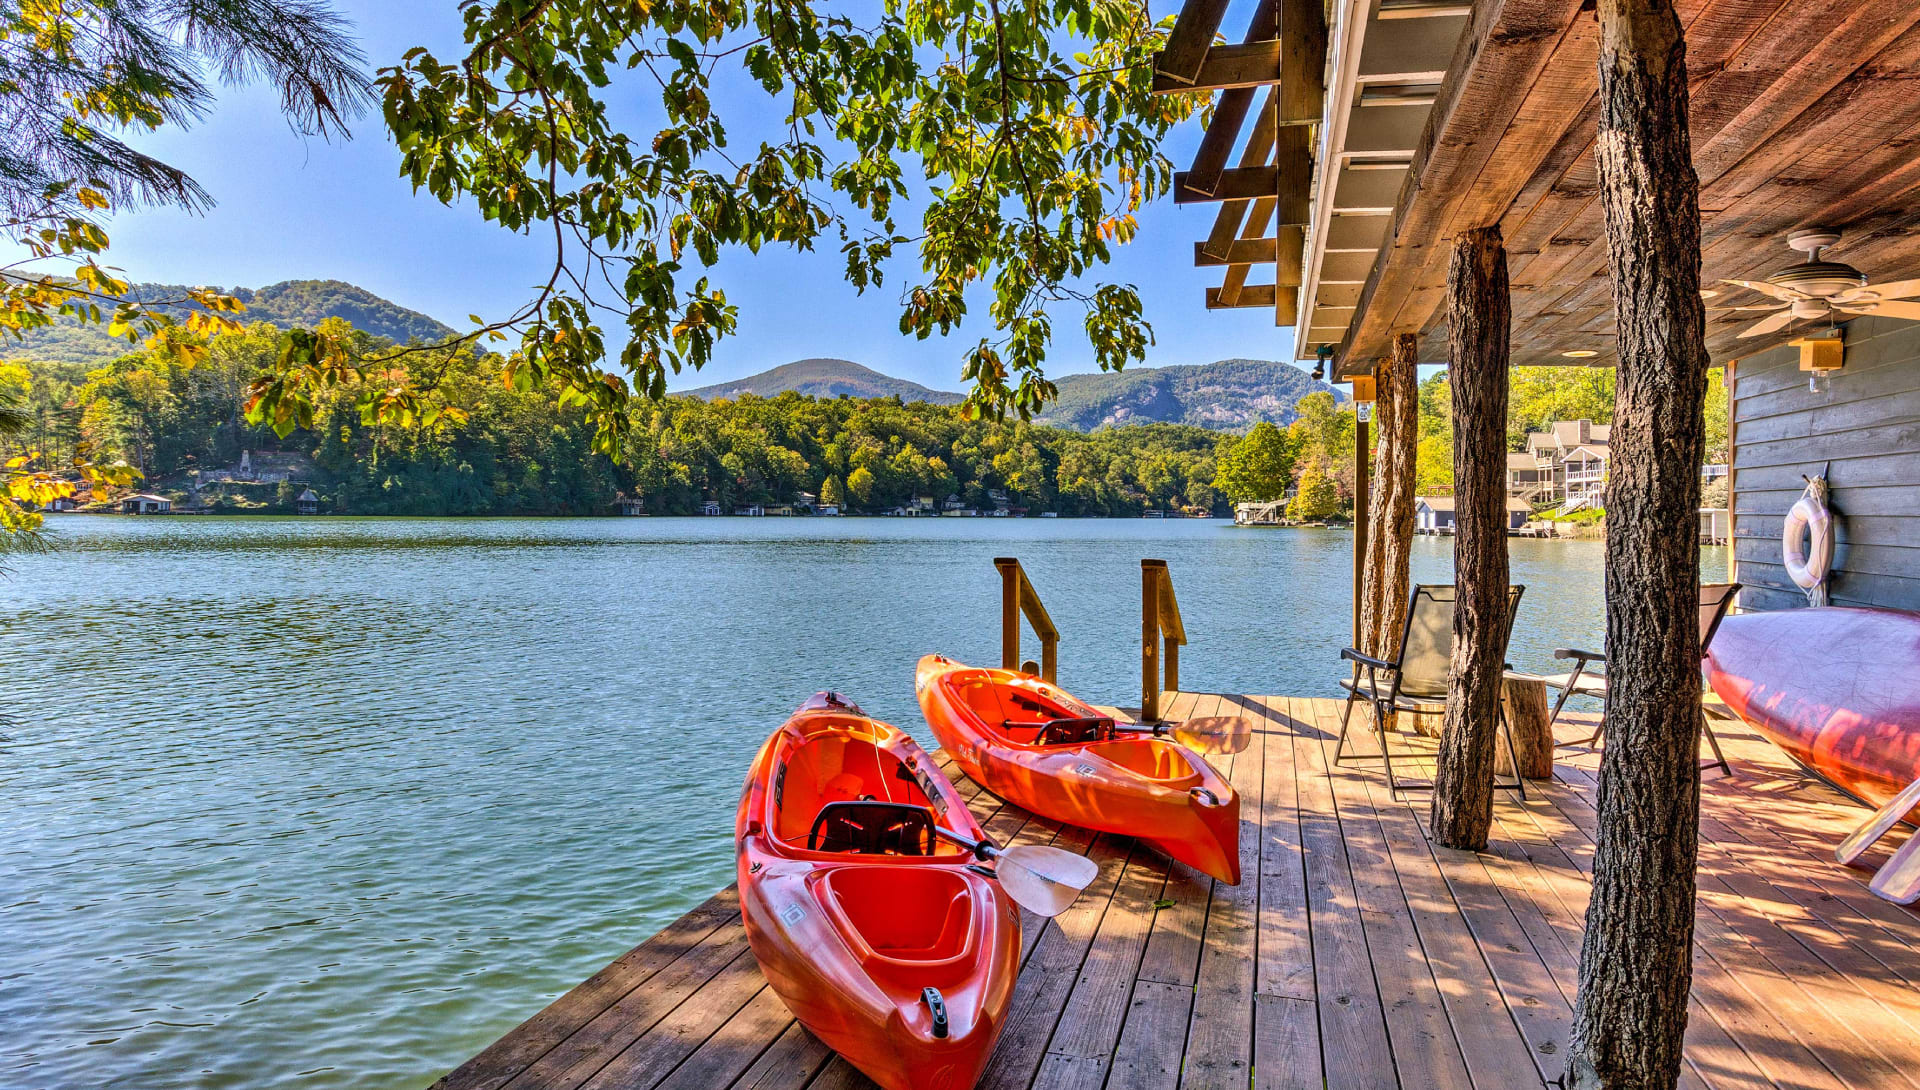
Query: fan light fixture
{"type": "Point", "coordinates": [1816, 289]}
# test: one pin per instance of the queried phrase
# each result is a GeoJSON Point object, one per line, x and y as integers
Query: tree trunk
{"type": "Point", "coordinates": [1374, 588]}
{"type": "Point", "coordinates": [1480, 314]}
{"type": "Point", "coordinates": [1400, 401]}
{"type": "Point", "coordinates": [1636, 958]}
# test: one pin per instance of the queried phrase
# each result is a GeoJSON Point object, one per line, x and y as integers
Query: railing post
{"type": "Point", "coordinates": [1150, 573]}
{"type": "Point", "coordinates": [1009, 612]}
{"type": "Point", "coordinates": [1170, 652]}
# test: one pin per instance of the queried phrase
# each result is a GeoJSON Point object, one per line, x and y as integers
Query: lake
{"type": "Point", "coordinates": [333, 803]}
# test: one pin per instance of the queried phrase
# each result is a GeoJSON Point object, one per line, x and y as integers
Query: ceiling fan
{"type": "Point", "coordinates": [1824, 289]}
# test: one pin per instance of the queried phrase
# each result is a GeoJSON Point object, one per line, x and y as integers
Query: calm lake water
{"type": "Point", "coordinates": [332, 803]}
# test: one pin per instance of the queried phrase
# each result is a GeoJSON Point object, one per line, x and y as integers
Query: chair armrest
{"type": "Point", "coordinates": [1576, 653]}
{"type": "Point", "coordinates": [1365, 660]}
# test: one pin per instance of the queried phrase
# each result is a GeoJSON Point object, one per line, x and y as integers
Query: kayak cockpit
{"type": "Point", "coordinates": [1148, 758]}
{"type": "Point", "coordinates": [837, 789]}
{"type": "Point", "coordinates": [914, 917]}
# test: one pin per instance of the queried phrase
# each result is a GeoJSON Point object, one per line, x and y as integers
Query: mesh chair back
{"type": "Point", "coordinates": [1715, 598]}
{"type": "Point", "coordinates": [1426, 647]}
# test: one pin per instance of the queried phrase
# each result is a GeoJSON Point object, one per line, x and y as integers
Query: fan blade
{"type": "Point", "coordinates": [1890, 309]}
{"type": "Point", "coordinates": [1765, 288]}
{"type": "Point", "coordinates": [1768, 325]}
{"type": "Point", "coordinates": [1752, 306]}
{"type": "Point", "coordinates": [1899, 289]}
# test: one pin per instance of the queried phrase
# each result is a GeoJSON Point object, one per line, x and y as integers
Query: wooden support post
{"type": "Point", "coordinates": [1149, 643]}
{"type": "Point", "coordinates": [1636, 960]}
{"type": "Point", "coordinates": [1361, 449]}
{"type": "Point", "coordinates": [1399, 402]}
{"type": "Point", "coordinates": [1009, 611]}
{"type": "Point", "coordinates": [1170, 652]}
{"type": "Point", "coordinates": [1480, 312]}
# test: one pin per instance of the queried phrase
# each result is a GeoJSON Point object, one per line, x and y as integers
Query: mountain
{"type": "Point", "coordinates": [288, 304]}
{"type": "Point", "coordinates": [1230, 395]}
{"type": "Point", "coordinates": [826, 378]}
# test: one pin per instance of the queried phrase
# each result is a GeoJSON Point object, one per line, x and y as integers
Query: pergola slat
{"type": "Point", "coordinates": [1193, 31]}
{"type": "Point", "coordinates": [1251, 64]}
{"type": "Point", "coordinates": [1256, 295]}
{"type": "Point", "coordinates": [1237, 184]}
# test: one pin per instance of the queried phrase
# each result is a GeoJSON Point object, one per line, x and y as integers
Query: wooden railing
{"type": "Point", "coordinates": [1161, 637]}
{"type": "Point", "coordinates": [1018, 597]}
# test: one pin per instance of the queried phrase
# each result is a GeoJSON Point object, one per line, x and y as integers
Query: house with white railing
{"type": "Point", "coordinates": [1566, 464]}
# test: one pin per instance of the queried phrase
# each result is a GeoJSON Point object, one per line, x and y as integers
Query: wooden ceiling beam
{"type": "Point", "coordinates": [1257, 295]}
{"type": "Point", "coordinates": [1238, 184]}
{"type": "Point", "coordinates": [1242, 251]}
{"type": "Point", "coordinates": [1192, 36]}
{"type": "Point", "coordinates": [1303, 62]}
{"type": "Point", "coordinates": [1253, 64]}
{"type": "Point", "coordinates": [1230, 114]}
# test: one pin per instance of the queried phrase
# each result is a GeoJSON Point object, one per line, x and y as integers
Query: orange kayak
{"type": "Point", "coordinates": [881, 938]}
{"type": "Point", "coordinates": [1034, 745]}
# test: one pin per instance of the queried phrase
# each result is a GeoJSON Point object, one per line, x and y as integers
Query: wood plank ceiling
{"type": "Point", "coordinates": [1805, 113]}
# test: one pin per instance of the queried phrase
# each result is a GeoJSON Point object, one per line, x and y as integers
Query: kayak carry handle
{"type": "Point", "coordinates": [938, 1005]}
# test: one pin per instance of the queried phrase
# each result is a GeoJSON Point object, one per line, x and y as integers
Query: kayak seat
{"type": "Point", "coordinates": [1062, 732]}
{"type": "Point", "coordinates": [917, 916]}
{"type": "Point", "coordinates": [867, 827]}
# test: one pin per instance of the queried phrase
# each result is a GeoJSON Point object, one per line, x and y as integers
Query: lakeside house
{"type": "Point", "coordinates": [308, 503]}
{"type": "Point", "coordinates": [710, 508]}
{"type": "Point", "coordinates": [146, 503]}
{"type": "Point", "coordinates": [1435, 514]}
{"type": "Point", "coordinates": [1566, 464]}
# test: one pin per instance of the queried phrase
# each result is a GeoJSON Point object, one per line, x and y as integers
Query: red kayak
{"type": "Point", "coordinates": [1033, 745]}
{"type": "Point", "coordinates": [1837, 689]}
{"type": "Point", "coordinates": [885, 940]}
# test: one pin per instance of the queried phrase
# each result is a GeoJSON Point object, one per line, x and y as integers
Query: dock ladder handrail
{"type": "Point", "coordinates": [1161, 636]}
{"type": "Point", "coordinates": [1018, 597]}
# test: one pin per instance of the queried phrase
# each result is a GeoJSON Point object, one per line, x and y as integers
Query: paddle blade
{"type": "Point", "coordinates": [1043, 881]}
{"type": "Point", "coordinates": [1215, 734]}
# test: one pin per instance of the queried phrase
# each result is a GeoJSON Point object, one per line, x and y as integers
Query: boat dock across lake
{"type": "Point", "coordinates": [1354, 954]}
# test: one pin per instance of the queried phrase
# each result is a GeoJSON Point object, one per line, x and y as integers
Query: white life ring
{"type": "Point", "coordinates": [1808, 565]}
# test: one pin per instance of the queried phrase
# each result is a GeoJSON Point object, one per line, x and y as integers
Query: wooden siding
{"type": "Point", "coordinates": [1868, 426]}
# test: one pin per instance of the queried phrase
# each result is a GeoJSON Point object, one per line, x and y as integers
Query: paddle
{"type": "Point", "coordinates": [1212, 734]}
{"type": "Point", "coordinates": [1041, 880]}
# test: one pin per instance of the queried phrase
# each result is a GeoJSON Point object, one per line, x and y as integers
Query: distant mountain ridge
{"type": "Point", "coordinates": [1227, 395]}
{"type": "Point", "coordinates": [288, 304]}
{"type": "Point", "coordinates": [827, 378]}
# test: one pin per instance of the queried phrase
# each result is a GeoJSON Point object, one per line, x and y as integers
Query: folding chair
{"type": "Point", "coordinates": [1416, 679]}
{"type": "Point", "coordinates": [1715, 598]}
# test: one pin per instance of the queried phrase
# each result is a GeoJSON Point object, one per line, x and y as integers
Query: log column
{"type": "Point", "coordinates": [1480, 313]}
{"type": "Point", "coordinates": [1635, 960]}
{"type": "Point", "coordinates": [1398, 393]}
{"type": "Point", "coordinates": [1372, 587]}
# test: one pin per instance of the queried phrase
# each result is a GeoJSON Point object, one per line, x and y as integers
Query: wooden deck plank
{"type": "Point", "coordinates": [1220, 1034]}
{"type": "Point", "coordinates": [1426, 1052]}
{"type": "Point", "coordinates": [1353, 1027]}
{"type": "Point", "coordinates": [1353, 954]}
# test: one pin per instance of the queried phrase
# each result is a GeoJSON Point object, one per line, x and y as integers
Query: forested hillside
{"type": "Point", "coordinates": [515, 452]}
{"type": "Point", "coordinates": [291, 304]}
{"type": "Point", "coordinates": [1230, 395]}
{"type": "Point", "coordinates": [826, 378]}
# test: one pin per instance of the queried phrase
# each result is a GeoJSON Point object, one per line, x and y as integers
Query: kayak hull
{"type": "Point", "coordinates": [1141, 786]}
{"type": "Point", "coordinates": [850, 942]}
{"type": "Point", "coordinates": [1832, 687]}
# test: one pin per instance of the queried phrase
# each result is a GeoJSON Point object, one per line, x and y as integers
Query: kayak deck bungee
{"type": "Point", "coordinates": [1038, 747]}
{"type": "Point", "coordinates": [892, 945]}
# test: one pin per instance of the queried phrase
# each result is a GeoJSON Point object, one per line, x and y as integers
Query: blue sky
{"type": "Point", "coordinates": [292, 207]}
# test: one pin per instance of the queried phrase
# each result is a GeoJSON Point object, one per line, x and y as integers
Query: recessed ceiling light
{"type": "Point", "coordinates": [1580, 354]}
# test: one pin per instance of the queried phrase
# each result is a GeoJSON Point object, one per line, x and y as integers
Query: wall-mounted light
{"type": "Point", "coordinates": [1821, 354]}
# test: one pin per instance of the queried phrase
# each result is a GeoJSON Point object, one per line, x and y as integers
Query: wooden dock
{"type": "Point", "coordinates": [1356, 954]}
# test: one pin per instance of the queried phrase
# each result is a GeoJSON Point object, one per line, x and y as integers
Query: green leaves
{"type": "Point", "coordinates": [1033, 126]}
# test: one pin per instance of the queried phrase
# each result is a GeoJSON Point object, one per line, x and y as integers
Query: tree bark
{"type": "Point", "coordinates": [1400, 399]}
{"type": "Point", "coordinates": [1480, 313]}
{"type": "Point", "coordinates": [1373, 589]}
{"type": "Point", "coordinates": [1636, 958]}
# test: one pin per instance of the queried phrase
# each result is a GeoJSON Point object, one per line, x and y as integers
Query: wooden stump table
{"type": "Point", "coordinates": [1525, 699]}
